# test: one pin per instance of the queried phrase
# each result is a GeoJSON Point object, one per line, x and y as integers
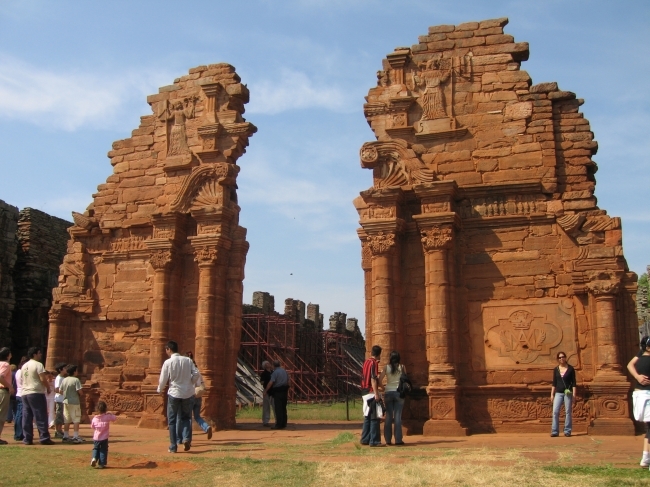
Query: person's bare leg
{"type": "Point", "coordinates": [76, 430]}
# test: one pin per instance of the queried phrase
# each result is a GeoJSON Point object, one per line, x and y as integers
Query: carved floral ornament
{"type": "Point", "coordinates": [206, 255]}
{"type": "Point", "coordinates": [436, 238]}
{"type": "Point", "coordinates": [161, 259]}
{"type": "Point", "coordinates": [381, 243]}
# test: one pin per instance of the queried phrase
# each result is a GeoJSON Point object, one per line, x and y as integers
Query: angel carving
{"type": "Point", "coordinates": [177, 111]}
{"type": "Point", "coordinates": [434, 75]}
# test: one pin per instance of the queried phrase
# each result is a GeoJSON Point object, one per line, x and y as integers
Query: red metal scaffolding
{"type": "Point", "coordinates": [323, 365]}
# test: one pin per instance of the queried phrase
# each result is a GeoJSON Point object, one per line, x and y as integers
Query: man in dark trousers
{"type": "Point", "coordinates": [370, 432]}
{"type": "Point", "coordinates": [267, 400]}
{"type": "Point", "coordinates": [279, 387]}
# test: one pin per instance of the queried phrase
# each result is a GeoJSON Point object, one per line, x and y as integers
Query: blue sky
{"type": "Point", "coordinates": [74, 77]}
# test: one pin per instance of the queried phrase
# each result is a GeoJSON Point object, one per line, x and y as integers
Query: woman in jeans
{"type": "Point", "coordinates": [198, 402]}
{"type": "Point", "coordinates": [394, 403]}
{"type": "Point", "coordinates": [563, 391]}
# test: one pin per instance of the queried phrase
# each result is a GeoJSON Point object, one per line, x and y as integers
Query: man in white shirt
{"type": "Point", "coordinates": [181, 374]}
{"type": "Point", "coordinates": [35, 385]}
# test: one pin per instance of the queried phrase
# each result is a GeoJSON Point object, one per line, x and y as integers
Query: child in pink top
{"type": "Point", "coordinates": [100, 424]}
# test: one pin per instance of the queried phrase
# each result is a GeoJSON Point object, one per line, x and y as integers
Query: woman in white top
{"type": "Point", "coordinates": [394, 403]}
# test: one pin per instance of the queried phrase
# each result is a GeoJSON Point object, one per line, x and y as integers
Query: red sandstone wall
{"type": "Point", "coordinates": [159, 253]}
{"type": "Point", "coordinates": [483, 249]}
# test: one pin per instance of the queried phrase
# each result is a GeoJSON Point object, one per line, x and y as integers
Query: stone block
{"type": "Point", "coordinates": [521, 161]}
{"type": "Point", "coordinates": [544, 87]}
{"type": "Point", "coordinates": [499, 39]}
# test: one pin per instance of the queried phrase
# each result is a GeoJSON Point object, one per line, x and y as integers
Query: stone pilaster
{"type": "Point", "coordinates": [58, 343]}
{"type": "Point", "coordinates": [161, 261]}
{"type": "Point", "coordinates": [383, 248]}
{"type": "Point", "coordinates": [610, 389]}
{"type": "Point", "coordinates": [366, 265]}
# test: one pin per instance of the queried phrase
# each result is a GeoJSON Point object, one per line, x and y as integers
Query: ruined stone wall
{"type": "Point", "coordinates": [159, 254]}
{"type": "Point", "coordinates": [8, 256]}
{"type": "Point", "coordinates": [484, 252]}
{"type": "Point", "coordinates": [42, 244]}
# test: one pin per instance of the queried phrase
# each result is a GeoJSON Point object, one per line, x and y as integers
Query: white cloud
{"type": "Point", "coordinates": [294, 90]}
{"type": "Point", "coordinates": [72, 99]}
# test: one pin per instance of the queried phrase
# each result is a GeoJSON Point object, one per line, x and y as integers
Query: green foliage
{"type": "Point", "coordinates": [344, 437]}
{"type": "Point", "coordinates": [318, 411]}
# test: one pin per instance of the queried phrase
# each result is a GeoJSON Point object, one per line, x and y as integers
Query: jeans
{"type": "Point", "coordinates": [18, 420]}
{"type": "Point", "coordinates": [394, 407]}
{"type": "Point", "coordinates": [267, 407]}
{"type": "Point", "coordinates": [196, 409]}
{"type": "Point", "coordinates": [560, 398]}
{"type": "Point", "coordinates": [12, 409]}
{"type": "Point", "coordinates": [35, 409]}
{"type": "Point", "coordinates": [179, 411]}
{"type": "Point", "coordinates": [280, 396]}
{"type": "Point", "coordinates": [370, 432]}
{"type": "Point", "coordinates": [100, 451]}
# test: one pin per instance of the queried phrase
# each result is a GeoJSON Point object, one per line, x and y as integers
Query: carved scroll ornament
{"type": "Point", "coordinates": [436, 238]}
{"type": "Point", "coordinates": [161, 259]}
{"type": "Point", "coordinates": [381, 243]}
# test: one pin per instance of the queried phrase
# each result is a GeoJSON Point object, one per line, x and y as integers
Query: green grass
{"type": "Point", "coordinates": [317, 411]}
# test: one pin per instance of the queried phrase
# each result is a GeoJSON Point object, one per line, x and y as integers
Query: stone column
{"type": "Point", "coordinates": [206, 257]}
{"type": "Point", "coordinates": [58, 343]}
{"type": "Point", "coordinates": [609, 389]}
{"type": "Point", "coordinates": [161, 261]}
{"type": "Point", "coordinates": [154, 415]}
{"type": "Point", "coordinates": [234, 300]}
{"type": "Point", "coordinates": [437, 241]}
{"type": "Point", "coordinates": [383, 246]}
{"type": "Point", "coordinates": [366, 265]}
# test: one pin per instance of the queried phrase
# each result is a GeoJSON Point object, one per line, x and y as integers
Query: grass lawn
{"type": "Point", "coordinates": [338, 461]}
{"type": "Point", "coordinates": [320, 411]}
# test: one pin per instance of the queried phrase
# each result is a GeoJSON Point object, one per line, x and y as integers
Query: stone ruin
{"type": "Point", "coordinates": [159, 254]}
{"type": "Point", "coordinates": [32, 246]}
{"type": "Point", "coordinates": [642, 309]}
{"type": "Point", "coordinates": [483, 249]}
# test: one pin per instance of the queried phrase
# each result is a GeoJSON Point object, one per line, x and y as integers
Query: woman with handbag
{"type": "Point", "coordinates": [639, 368]}
{"type": "Point", "coordinates": [199, 389]}
{"type": "Point", "coordinates": [394, 403]}
{"type": "Point", "coordinates": [563, 391]}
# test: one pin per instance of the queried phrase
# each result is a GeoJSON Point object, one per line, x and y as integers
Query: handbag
{"type": "Point", "coordinates": [404, 387]}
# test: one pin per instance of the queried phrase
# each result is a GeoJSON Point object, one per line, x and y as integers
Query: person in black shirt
{"type": "Point", "coordinates": [563, 391]}
{"type": "Point", "coordinates": [267, 400]}
{"type": "Point", "coordinates": [639, 368]}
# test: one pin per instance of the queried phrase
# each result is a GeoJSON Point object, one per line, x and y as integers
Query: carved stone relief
{"type": "Point", "coordinates": [518, 332]}
{"type": "Point", "coordinates": [510, 205]}
{"type": "Point", "coordinates": [123, 402]}
{"type": "Point", "coordinates": [175, 114]}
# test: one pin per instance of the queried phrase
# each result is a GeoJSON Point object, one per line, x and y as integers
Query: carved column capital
{"type": "Point", "coordinates": [161, 259]}
{"type": "Point", "coordinates": [436, 238]}
{"type": "Point", "coordinates": [381, 243]}
{"type": "Point", "coordinates": [206, 255]}
{"type": "Point", "coordinates": [366, 256]}
{"type": "Point", "coordinates": [602, 288]}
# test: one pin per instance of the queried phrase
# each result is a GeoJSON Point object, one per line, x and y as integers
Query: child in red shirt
{"type": "Point", "coordinates": [100, 424]}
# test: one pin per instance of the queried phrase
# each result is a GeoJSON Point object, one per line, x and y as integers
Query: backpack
{"type": "Point", "coordinates": [405, 386]}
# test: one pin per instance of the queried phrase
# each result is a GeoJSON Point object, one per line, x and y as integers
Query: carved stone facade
{"type": "Point", "coordinates": [159, 254]}
{"type": "Point", "coordinates": [484, 252]}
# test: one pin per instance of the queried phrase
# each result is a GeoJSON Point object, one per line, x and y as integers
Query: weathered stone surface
{"type": "Point", "coordinates": [481, 250]}
{"type": "Point", "coordinates": [159, 254]}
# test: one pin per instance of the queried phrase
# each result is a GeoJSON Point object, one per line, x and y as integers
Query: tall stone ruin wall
{"type": "Point", "coordinates": [483, 248]}
{"type": "Point", "coordinates": [159, 254]}
{"type": "Point", "coordinates": [8, 255]}
{"type": "Point", "coordinates": [31, 250]}
{"type": "Point", "coordinates": [42, 244]}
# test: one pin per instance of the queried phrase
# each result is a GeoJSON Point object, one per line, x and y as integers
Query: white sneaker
{"type": "Point", "coordinates": [93, 462]}
{"type": "Point", "coordinates": [78, 440]}
{"type": "Point", "coordinates": [645, 462]}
